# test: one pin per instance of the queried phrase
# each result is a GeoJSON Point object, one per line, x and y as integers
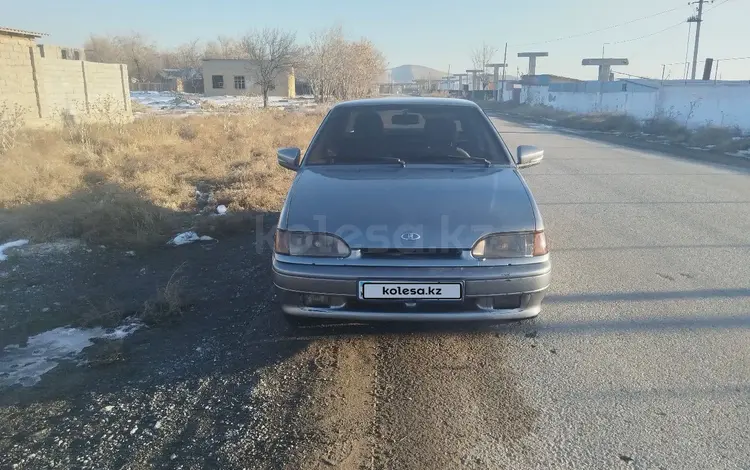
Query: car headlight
{"type": "Point", "coordinates": [310, 244]}
{"type": "Point", "coordinates": [511, 245]}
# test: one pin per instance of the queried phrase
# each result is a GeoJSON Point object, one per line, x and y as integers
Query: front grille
{"type": "Point", "coordinates": [411, 253]}
{"type": "Point", "coordinates": [445, 306]}
{"type": "Point", "coordinates": [470, 304]}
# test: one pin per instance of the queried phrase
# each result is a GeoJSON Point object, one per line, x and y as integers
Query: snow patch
{"type": "Point", "coordinates": [740, 153]}
{"type": "Point", "coordinates": [188, 237]}
{"type": "Point", "coordinates": [541, 126]}
{"type": "Point", "coordinates": [14, 244]}
{"type": "Point", "coordinates": [166, 101]}
{"type": "Point", "coordinates": [43, 352]}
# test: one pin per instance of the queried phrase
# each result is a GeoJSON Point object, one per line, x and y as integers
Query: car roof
{"type": "Point", "coordinates": [410, 100]}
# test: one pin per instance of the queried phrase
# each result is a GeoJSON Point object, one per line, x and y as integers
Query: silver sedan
{"type": "Point", "coordinates": [409, 209]}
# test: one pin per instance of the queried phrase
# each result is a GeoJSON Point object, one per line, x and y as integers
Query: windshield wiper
{"type": "Point", "coordinates": [484, 161]}
{"type": "Point", "coordinates": [350, 161]}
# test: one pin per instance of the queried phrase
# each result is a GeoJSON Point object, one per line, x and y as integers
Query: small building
{"type": "Point", "coordinates": [236, 77]}
{"type": "Point", "coordinates": [47, 51]}
{"type": "Point", "coordinates": [185, 80]}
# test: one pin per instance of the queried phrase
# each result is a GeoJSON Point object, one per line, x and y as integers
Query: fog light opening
{"type": "Point", "coordinates": [506, 302]}
{"type": "Point", "coordinates": [323, 301]}
{"type": "Point", "coordinates": [485, 303]}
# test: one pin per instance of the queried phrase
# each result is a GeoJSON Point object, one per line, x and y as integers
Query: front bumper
{"type": "Point", "coordinates": [525, 283]}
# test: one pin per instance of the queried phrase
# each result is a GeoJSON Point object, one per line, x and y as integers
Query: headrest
{"type": "Point", "coordinates": [368, 124]}
{"type": "Point", "coordinates": [441, 129]}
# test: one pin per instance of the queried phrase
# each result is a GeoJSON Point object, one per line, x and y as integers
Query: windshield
{"type": "Point", "coordinates": [409, 134]}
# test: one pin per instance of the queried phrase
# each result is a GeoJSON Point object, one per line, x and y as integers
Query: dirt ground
{"type": "Point", "coordinates": [226, 383]}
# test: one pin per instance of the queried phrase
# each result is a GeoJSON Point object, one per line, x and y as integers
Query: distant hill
{"type": "Point", "coordinates": [409, 73]}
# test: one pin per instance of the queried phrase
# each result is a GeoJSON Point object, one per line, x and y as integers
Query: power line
{"type": "Point", "coordinates": [564, 38]}
{"type": "Point", "coordinates": [718, 5]}
{"type": "Point", "coordinates": [691, 20]}
{"type": "Point", "coordinates": [721, 59]}
{"type": "Point", "coordinates": [651, 34]}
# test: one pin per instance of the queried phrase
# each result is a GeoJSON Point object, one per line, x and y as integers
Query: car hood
{"type": "Point", "coordinates": [373, 206]}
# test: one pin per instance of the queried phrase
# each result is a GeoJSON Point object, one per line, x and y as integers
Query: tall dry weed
{"type": "Point", "coordinates": [134, 182]}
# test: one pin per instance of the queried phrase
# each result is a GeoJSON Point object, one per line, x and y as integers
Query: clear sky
{"type": "Point", "coordinates": [437, 33]}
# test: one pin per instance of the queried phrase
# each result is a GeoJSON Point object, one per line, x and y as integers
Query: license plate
{"type": "Point", "coordinates": [410, 290]}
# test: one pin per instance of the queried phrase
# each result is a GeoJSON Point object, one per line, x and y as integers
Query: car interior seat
{"type": "Point", "coordinates": [367, 137]}
{"type": "Point", "coordinates": [441, 134]}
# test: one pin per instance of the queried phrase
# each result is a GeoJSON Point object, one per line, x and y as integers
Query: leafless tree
{"type": "Point", "coordinates": [272, 53]}
{"type": "Point", "coordinates": [189, 55]}
{"type": "Point", "coordinates": [141, 56]}
{"type": "Point", "coordinates": [188, 58]}
{"type": "Point", "coordinates": [480, 57]}
{"type": "Point", "coordinates": [135, 50]}
{"type": "Point", "coordinates": [231, 48]}
{"type": "Point", "coordinates": [341, 69]}
{"type": "Point", "coordinates": [101, 49]}
{"type": "Point", "coordinates": [324, 58]}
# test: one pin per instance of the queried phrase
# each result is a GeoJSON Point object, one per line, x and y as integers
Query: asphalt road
{"type": "Point", "coordinates": [648, 315]}
{"type": "Point", "coordinates": [639, 359]}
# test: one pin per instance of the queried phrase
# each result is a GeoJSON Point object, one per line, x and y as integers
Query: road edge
{"type": "Point", "coordinates": [632, 142]}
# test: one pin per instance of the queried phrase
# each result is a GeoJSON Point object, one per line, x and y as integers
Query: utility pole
{"type": "Point", "coordinates": [501, 94]}
{"type": "Point", "coordinates": [697, 19]}
{"type": "Point", "coordinates": [687, 50]}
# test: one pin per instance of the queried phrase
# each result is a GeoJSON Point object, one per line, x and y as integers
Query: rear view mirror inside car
{"type": "Point", "coordinates": [405, 119]}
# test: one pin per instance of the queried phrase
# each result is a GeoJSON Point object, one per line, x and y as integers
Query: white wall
{"type": "Point", "coordinates": [641, 105]}
{"type": "Point", "coordinates": [693, 104]}
{"type": "Point", "coordinates": [535, 95]}
{"type": "Point", "coordinates": [725, 105]}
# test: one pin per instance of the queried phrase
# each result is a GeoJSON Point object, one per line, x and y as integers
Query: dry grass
{"type": "Point", "coordinates": [11, 123]}
{"type": "Point", "coordinates": [134, 183]}
{"type": "Point", "coordinates": [138, 107]}
{"type": "Point", "coordinates": [720, 139]}
{"type": "Point", "coordinates": [168, 304]}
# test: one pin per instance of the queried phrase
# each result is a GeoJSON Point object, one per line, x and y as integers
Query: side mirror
{"type": "Point", "coordinates": [528, 155]}
{"type": "Point", "coordinates": [288, 157]}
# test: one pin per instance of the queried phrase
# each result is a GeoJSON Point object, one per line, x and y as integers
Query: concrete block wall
{"type": "Point", "coordinates": [49, 88]}
{"type": "Point", "coordinates": [16, 75]}
{"type": "Point", "coordinates": [107, 87]}
{"type": "Point", "coordinates": [63, 87]}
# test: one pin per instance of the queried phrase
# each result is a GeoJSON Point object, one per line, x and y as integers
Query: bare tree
{"type": "Point", "coordinates": [480, 57]}
{"type": "Point", "coordinates": [102, 49]}
{"type": "Point", "coordinates": [271, 52]}
{"type": "Point", "coordinates": [341, 69]}
{"type": "Point", "coordinates": [141, 56]}
{"type": "Point", "coordinates": [324, 60]}
{"type": "Point", "coordinates": [189, 55]}
{"type": "Point", "coordinates": [136, 51]}
{"type": "Point", "coordinates": [367, 66]}
{"type": "Point", "coordinates": [188, 58]}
